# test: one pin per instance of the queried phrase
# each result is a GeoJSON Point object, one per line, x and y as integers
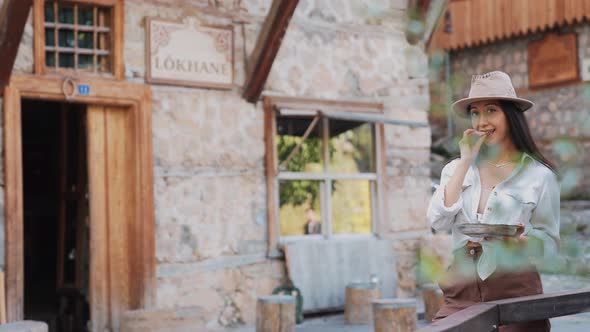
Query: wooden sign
{"type": "Point", "coordinates": [189, 54]}
{"type": "Point", "coordinates": [553, 60]}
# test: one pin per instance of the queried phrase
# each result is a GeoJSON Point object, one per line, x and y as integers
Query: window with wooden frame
{"type": "Point", "coordinates": [327, 176]}
{"type": "Point", "coordinates": [79, 37]}
{"type": "Point", "coordinates": [324, 168]}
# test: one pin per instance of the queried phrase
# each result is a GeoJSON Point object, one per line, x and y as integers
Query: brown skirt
{"type": "Point", "coordinates": [462, 288]}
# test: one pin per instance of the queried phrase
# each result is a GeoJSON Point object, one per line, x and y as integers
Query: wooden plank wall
{"type": "Point", "coordinates": [322, 269]}
{"type": "Point", "coordinates": [478, 22]}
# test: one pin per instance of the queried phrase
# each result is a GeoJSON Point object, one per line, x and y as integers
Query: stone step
{"type": "Point", "coordinates": [24, 326]}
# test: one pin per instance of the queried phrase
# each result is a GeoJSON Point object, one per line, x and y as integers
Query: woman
{"type": "Point", "coordinates": [500, 178]}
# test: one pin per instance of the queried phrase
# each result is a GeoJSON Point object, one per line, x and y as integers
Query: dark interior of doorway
{"type": "Point", "coordinates": [55, 204]}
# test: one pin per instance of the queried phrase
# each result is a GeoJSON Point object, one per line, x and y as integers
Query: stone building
{"type": "Point", "coordinates": [124, 192]}
{"type": "Point", "coordinates": [545, 49]}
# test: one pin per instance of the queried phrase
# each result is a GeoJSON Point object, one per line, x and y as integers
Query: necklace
{"type": "Point", "coordinates": [500, 164]}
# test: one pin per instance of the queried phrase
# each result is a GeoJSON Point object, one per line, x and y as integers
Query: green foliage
{"type": "Point", "coordinates": [430, 266]}
{"type": "Point", "coordinates": [363, 154]}
{"type": "Point", "coordinates": [351, 151]}
{"type": "Point", "coordinates": [351, 199]}
{"type": "Point", "coordinates": [308, 156]}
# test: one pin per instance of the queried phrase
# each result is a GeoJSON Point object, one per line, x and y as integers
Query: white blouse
{"type": "Point", "coordinates": [530, 195]}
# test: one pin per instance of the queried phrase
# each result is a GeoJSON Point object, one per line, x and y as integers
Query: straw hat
{"type": "Point", "coordinates": [493, 85]}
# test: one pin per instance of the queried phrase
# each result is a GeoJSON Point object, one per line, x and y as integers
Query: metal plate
{"type": "Point", "coordinates": [482, 230]}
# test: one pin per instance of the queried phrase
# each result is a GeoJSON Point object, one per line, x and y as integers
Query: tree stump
{"type": "Point", "coordinates": [433, 300]}
{"type": "Point", "coordinates": [275, 313]}
{"type": "Point", "coordinates": [24, 326]}
{"type": "Point", "coordinates": [358, 299]}
{"type": "Point", "coordinates": [394, 315]}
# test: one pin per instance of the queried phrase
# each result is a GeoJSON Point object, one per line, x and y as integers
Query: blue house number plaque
{"type": "Point", "coordinates": [83, 89]}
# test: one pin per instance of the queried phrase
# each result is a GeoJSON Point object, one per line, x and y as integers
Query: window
{"type": "Point", "coordinates": [327, 185]}
{"type": "Point", "coordinates": [323, 174]}
{"type": "Point", "coordinates": [78, 36]}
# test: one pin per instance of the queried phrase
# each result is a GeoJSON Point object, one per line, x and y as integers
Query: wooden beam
{"type": "Point", "coordinates": [270, 163]}
{"type": "Point", "coordinates": [488, 316]}
{"type": "Point", "coordinates": [119, 38]}
{"type": "Point", "coordinates": [535, 307]}
{"type": "Point", "coordinates": [13, 198]}
{"type": "Point", "coordinates": [2, 299]}
{"type": "Point", "coordinates": [97, 189]}
{"type": "Point", "coordinates": [267, 46]}
{"type": "Point", "coordinates": [13, 17]}
{"type": "Point", "coordinates": [332, 105]}
{"type": "Point", "coordinates": [480, 317]}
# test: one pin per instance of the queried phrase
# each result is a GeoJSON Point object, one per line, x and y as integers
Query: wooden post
{"type": "Point", "coordinates": [2, 299]}
{"type": "Point", "coordinates": [394, 315]}
{"type": "Point", "coordinates": [358, 299]}
{"type": "Point", "coordinates": [275, 313]}
{"type": "Point", "coordinates": [433, 300]}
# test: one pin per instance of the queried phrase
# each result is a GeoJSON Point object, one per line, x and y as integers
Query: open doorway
{"type": "Point", "coordinates": [55, 211]}
{"type": "Point", "coordinates": [117, 145]}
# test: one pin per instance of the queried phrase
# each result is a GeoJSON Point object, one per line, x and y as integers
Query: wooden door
{"type": "Point", "coordinates": [120, 180]}
{"type": "Point", "coordinates": [112, 174]}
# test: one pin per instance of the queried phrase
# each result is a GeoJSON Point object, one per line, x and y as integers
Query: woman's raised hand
{"type": "Point", "coordinates": [471, 143]}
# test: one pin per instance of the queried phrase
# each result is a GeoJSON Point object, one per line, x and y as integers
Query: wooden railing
{"type": "Point", "coordinates": [488, 316]}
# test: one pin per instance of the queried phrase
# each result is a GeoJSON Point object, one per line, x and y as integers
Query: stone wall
{"type": "Point", "coordinates": [210, 191]}
{"type": "Point", "coordinates": [560, 120]}
{"type": "Point", "coordinates": [575, 236]}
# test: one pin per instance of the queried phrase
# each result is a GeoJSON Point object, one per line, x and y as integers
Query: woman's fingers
{"type": "Point", "coordinates": [480, 141]}
{"type": "Point", "coordinates": [470, 143]}
{"type": "Point", "coordinates": [469, 135]}
{"type": "Point", "coordinates": [466, 134]}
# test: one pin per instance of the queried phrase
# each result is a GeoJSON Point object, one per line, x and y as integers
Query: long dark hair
{"type": "Point", "coordinates": [521, 134]}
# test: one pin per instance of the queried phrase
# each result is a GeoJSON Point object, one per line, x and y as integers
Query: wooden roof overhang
{"type": "Point", "coordinates": [267, 46]}
{"type": "Point", "coordinates": [13, 17]}
{"type": "Point", "coordinates": [471, 23]}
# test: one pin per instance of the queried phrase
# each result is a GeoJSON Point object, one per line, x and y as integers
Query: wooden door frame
{"type": "Point", "coordinates": [137, 99]}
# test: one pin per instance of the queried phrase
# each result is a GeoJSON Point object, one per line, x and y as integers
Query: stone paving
{"type": "Point", "coordinates": [556, 283]}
